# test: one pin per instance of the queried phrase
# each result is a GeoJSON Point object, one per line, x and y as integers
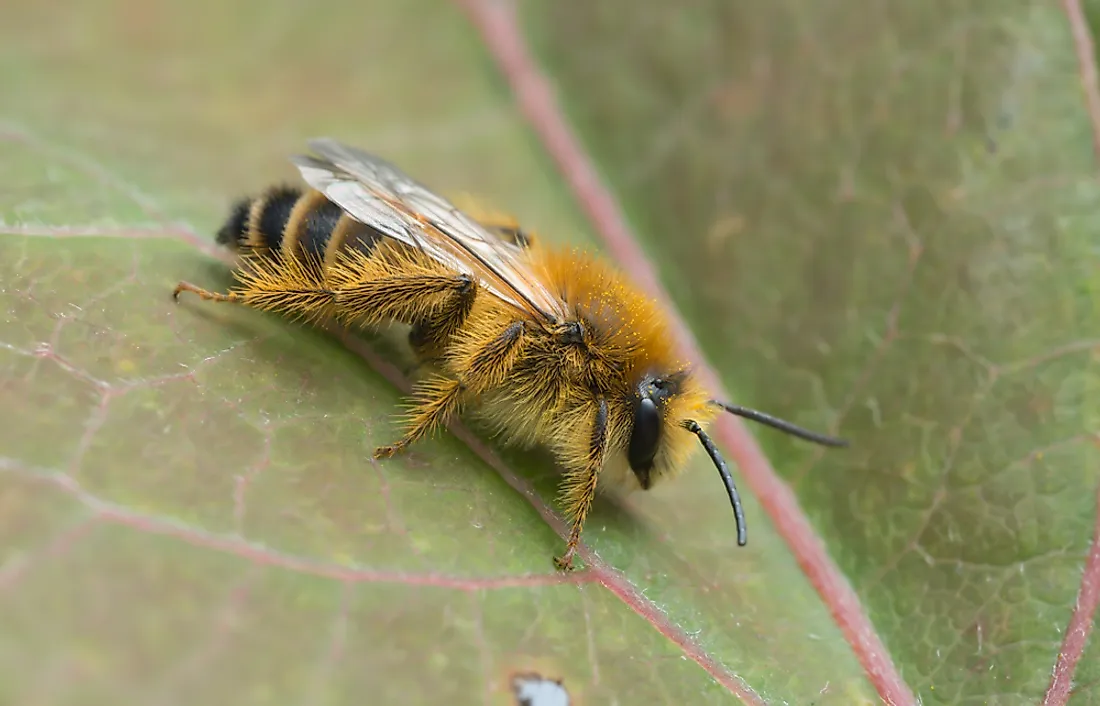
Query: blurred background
{"type": "Point", "coordinates": [877, 219]}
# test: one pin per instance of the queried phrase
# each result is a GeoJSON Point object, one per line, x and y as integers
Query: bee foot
{"type": "Point", "coordinates": [565, 562]}
{"type": "Point", "coordinates": [387, 451]}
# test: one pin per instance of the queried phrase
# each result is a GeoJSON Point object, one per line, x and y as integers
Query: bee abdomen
{"type": "Point", "coordinates": [257, 223]}
{"type": "Point", "coordinates": [291, 222]}
{"type": "Point", "coordinates": [234, 231]}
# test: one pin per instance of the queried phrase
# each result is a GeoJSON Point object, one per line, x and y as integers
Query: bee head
{"type": "Point", "coordinates": [665, 406]}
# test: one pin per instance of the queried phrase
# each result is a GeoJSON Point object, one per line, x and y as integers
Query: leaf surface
{"type": "Point", "coordinates": [188, 510]}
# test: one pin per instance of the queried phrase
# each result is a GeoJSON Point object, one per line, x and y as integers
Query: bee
{"type": "Point", "coordinates": [545, 345]}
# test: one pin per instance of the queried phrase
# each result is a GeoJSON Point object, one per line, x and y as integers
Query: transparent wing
{"type": "Point", "coordinates": [379, 194]}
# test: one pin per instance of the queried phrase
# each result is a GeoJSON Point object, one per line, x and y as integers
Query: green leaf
{"type": "Point", "coordinates": [188, 509]}
{"type": "Point", "coordinates": [885, 215]}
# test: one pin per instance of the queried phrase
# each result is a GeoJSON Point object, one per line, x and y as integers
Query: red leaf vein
{"type": "Point", "coordinates": [1080, 624]}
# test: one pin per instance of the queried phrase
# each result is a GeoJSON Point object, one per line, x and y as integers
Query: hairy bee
{"type": "Point", "coordinates": [546, 345]}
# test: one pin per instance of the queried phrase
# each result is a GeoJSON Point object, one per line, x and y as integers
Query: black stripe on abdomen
{"type": "Point", "coordinates": [278, 203]}
{"type": "Point", "coordinates": [318, 227]}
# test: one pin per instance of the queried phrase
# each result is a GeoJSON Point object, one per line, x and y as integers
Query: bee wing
{"type": "Point", "coordinates": [379, 194]}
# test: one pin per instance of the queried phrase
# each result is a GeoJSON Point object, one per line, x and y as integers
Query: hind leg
{"type": "Point", "coordinates": [204, 294]}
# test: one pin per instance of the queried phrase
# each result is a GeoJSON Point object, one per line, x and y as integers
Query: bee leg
{"type": "Point", "coordinates": [204, 293]}
{"type": "Point", "coordinates": [429, 336]}
{"type": "Point", "coordinates": [405, 298]}
{"type": "Point", "coordinates": [289, 285]}
{"type": "Point", "coordinates": [440, 398]}
{"type": "Point", "coordinates": [580, 486]}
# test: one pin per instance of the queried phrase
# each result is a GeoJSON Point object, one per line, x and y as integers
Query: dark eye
{"type": "Point", "coordinates": [644, 438]}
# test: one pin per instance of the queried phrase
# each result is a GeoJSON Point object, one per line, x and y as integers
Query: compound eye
{"type": "Point", "coordinates": [644, 438]}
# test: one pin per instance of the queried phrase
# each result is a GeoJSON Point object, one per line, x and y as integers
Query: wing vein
{"type": "Point", "coordinates": [377, 193]}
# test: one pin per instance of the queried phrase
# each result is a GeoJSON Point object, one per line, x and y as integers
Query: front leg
{"type": "Point", "coordinates": [579, 487]}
